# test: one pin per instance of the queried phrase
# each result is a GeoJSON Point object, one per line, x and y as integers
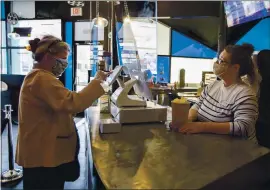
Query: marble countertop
{"type": "Point", "coordinates": [148, 156]}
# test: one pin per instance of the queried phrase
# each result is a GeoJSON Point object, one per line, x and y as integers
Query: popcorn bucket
{"type": "Point", "coordinates": [180, 109]}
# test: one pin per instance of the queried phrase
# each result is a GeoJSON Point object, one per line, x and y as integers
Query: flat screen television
{"type": "Point", "coordinates": [239, 12]}
{"type": "Point", "coordinates": [141, 8]}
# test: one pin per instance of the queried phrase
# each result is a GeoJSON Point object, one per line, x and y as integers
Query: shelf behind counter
{"type": "Point", "coordinates": [147, 156]}
{"type": "Point", "coordinates": [170, 89]}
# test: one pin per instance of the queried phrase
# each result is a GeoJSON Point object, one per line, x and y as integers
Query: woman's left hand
{"type": "Point", "coordinates": [192, 127]}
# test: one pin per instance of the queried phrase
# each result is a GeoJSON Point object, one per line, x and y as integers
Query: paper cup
{"type": "Point", "coordinates": [179, 114]}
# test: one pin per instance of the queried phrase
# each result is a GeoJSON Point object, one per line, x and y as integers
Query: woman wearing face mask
{"type": "Point", "coordinates": [47, 146]}
{"type": "Point", "coordinates": [228, 106]}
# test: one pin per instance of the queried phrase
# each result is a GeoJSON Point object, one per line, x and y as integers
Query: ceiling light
{"type": "Point", "coordinates": [127, 19]}
{"type": "Point", "coordinates": [100, 22]}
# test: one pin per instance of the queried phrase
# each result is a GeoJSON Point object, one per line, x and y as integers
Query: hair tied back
{"type": "Point", "coordinates": [34, 44]}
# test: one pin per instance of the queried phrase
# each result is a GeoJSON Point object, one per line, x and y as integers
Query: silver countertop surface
{"type": "Point", "coordinates": [147, 156]}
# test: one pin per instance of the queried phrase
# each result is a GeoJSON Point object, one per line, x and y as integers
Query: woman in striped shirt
{"type": "Point", "coordinates": [228, 106]}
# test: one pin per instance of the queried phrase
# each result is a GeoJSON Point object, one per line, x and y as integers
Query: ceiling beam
{"type": "Point", "coordinates": [188, 8]}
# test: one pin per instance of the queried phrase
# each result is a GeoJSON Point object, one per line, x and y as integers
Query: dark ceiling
{"type": "Point", "coordinates": [188, 8]}
{"type": "Point", "coordinates": [196, 19]}
{"type": "Point", "coordinates": [205, 30]}
{"type": "Point", "coordinates": [200, 21]}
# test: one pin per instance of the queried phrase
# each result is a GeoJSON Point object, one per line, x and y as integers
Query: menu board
{"type": "Point", "coordinates": [163, 69]}
{"type": "Point", "coordinates": [239, 12]}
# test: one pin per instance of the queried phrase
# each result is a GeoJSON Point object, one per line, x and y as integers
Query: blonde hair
{"type": "Point", "coordinates": [47, 44]}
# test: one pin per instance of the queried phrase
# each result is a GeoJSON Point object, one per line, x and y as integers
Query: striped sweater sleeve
{"type": "Point", "coordinates": [199, 102]}
{"type": "Point", "coordinates": [245, 116]}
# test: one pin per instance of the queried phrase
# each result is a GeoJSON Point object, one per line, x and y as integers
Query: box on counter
{"type": "Point", "coordinates": [109, 126]}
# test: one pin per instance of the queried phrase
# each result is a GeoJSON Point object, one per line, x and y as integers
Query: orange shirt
{"type": "Point", "coordinates": [46, 136]}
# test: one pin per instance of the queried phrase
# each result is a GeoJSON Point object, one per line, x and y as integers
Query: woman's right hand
{"type": "Point", "coordinates": [101, 75]}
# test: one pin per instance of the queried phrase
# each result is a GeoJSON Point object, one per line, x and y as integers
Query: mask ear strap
{"type": "Point", "coordinates": [215, 60]}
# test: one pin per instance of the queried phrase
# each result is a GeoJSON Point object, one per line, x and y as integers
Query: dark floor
{"type": "Point", "coordinates": [81, 183]}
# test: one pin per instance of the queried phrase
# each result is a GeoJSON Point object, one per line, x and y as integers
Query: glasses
{"type": "Point", "coordinates": [220, 61]}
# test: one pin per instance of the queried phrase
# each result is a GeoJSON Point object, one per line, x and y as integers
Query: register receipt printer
{"type": "Point", "coordinates": [134, 108]}
{"type": "Point", "coordinates": [110, 125]}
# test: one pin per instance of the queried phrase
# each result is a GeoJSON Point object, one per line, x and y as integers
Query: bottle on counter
{"type": "Point", "coordinates": [200, 89]}
{"type": "Point", "coordinates": [177, 85]}
{"type": "Point", "coordinates": [182, 78]}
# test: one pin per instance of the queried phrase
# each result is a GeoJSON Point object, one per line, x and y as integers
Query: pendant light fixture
{"type": "Point", "coordinates": [99, 21]}
{"type": "Point", "coordinates": [127, 18]}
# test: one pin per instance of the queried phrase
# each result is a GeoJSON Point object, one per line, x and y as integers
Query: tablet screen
{"type": "Point", "coordinates": [116, 73]}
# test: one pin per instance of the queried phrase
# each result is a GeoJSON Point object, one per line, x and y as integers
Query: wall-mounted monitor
{"type": "Point", "coordinates": [239, 12]}
{"type": "Point", "coordinates": [83, 31]}
{"type": "Point", "coordinates": [141, 8]}
{"type": "Point", "coordinates": [208, 77]}
{"type": "Point", "coordinates": [22, 60]}
{"type": "Point", "coordinates": [194, 68]}
{"type": "Point", "coordinates": [23, 31]}
{"type": "Point", "coordinates": [39, 28]}
{"type": "Point", "coordinates": [86, 31]}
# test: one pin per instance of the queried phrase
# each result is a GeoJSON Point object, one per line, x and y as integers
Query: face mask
{"type": "Point", "coordinates": [219, 69]}
{"type": "Point", "coordinates": [59, 67]}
